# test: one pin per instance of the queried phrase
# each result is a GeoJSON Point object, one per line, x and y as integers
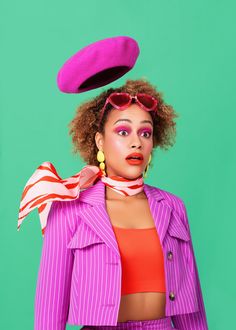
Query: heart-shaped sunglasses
{"type": "Point", "coordinates": [121, 101]}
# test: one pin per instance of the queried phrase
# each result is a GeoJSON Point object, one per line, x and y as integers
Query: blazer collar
{"type": "Point", "coordinates": [93, 213]}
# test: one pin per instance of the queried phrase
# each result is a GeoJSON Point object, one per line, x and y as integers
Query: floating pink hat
{"type": "Point", "coordinates": [98, 64]}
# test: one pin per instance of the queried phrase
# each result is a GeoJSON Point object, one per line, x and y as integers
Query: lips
{"type": "Point", "coordinates": [135, 155]}
{"type": "Point", "coordinates": [135, 158]}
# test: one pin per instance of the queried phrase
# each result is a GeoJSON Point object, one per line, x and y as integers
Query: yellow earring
{"type": "Point", "coordinates": [101, 158]}
{"type": "Point", "coordinates": [146, 169]}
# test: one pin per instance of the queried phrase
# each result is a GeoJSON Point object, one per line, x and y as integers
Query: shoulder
{"type": "Point", "coordinates": [169, 198]}
{"type": "Point", "coordinates": [66, 210]}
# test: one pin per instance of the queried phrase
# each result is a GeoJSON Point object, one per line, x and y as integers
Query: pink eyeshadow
{"type": "Point", "coordinates": [146, 130]}
{"type": "Point", "coordinates": [120, 128]}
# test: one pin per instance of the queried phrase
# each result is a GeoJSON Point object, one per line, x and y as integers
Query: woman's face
{"type": "Point", "coordinates": [127, 131]}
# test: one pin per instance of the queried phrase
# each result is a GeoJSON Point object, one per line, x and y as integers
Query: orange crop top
{"type": "Point", "coordinates": [142, 260]}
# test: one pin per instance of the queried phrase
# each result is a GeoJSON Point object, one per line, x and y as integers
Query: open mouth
{"type": "Point", "coordinates": [134, 160]}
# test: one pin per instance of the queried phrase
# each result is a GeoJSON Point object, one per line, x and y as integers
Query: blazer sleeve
{"type": "Point", "coordinates": [196, 320]}
{"type": "Point", "coordinates": [54, 276]}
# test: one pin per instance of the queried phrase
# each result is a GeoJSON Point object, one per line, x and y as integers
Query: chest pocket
{"type": "Point", "coordinates": [84, 237]}
{"type": "Point", "coordinates": [177, 246]}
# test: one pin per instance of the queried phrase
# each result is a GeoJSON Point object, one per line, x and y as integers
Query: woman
{"type": "Point", "coordinates": [121, 254]}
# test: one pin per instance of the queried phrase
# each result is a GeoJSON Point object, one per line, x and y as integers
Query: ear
{"type": "Point", "coordinates": [99, 140]}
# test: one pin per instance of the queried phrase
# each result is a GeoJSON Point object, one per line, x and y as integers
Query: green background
{"type": "Point", "coordinates": [188, 52]}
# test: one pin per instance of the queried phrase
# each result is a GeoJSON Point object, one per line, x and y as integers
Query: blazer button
{"type": "Point", "coordinates": [169, 255]}
{"type": "Point", "coordinates": [172, 296]}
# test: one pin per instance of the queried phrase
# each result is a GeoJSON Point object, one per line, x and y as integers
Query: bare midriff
{"type": "Point", "coordinates": [136, 214]}
{"type": "Point", "coordinates": [142, 306]}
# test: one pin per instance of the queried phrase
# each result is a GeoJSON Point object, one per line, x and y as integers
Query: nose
{"type": "Point", "coordinates": [136, 146]}
{"type": "Point", "coordinates": [136, 143]}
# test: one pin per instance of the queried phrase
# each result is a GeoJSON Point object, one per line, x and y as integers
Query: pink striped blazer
{"type": "Point", "coordinates": [79, 278]}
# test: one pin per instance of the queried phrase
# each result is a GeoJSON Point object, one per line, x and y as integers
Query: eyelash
{"type": "Point", "coordinates": [124, 130]}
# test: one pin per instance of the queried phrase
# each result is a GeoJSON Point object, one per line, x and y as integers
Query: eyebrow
{"type": "Point", "coordinates": [130, 121]}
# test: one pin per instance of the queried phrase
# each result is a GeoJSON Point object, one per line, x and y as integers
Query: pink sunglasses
{"type": "Point", "coordinates": [121, 101]}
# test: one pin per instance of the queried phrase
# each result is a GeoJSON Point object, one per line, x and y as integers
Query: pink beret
{"type": "Point", "coordinates": [98, 64]}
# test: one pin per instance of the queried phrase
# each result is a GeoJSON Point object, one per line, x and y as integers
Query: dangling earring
{"type": "Point", "coordinates": [146, 169]}
{"type": "Point", "coordinates": [101, 158]}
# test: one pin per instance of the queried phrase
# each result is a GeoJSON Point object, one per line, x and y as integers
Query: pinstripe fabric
{"type": "Point", "coordinates": [79, 280]}
{"type": "Point", "coordinates": [157, 324]}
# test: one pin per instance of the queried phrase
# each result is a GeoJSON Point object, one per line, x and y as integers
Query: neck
{"type": "Point", "coordinates": [119, 188]}
{"type": "Point", "coordinates": [112, 195]}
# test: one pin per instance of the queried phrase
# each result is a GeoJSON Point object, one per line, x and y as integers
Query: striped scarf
{"type": "Point", "coordinates": [46, 186]}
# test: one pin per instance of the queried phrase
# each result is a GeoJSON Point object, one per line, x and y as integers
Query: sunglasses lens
{"type": "Point", "coordinates": [119, 100]}
{"type": "Point", "coordinates": [147, 101]}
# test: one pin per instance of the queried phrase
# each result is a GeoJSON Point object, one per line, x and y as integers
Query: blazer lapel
{"type": "Point", "coordinates": [95, 215]}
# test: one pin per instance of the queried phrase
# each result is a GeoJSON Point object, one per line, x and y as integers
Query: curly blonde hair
{"type": "Point", "coordinates": [84, 125]}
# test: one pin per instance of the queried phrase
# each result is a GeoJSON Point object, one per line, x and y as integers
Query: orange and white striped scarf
{"type": "Point", "coordinates": [46, 186]}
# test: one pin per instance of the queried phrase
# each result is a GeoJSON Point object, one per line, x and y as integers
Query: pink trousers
{"type": "Point", "coordinates": [159, 324]}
